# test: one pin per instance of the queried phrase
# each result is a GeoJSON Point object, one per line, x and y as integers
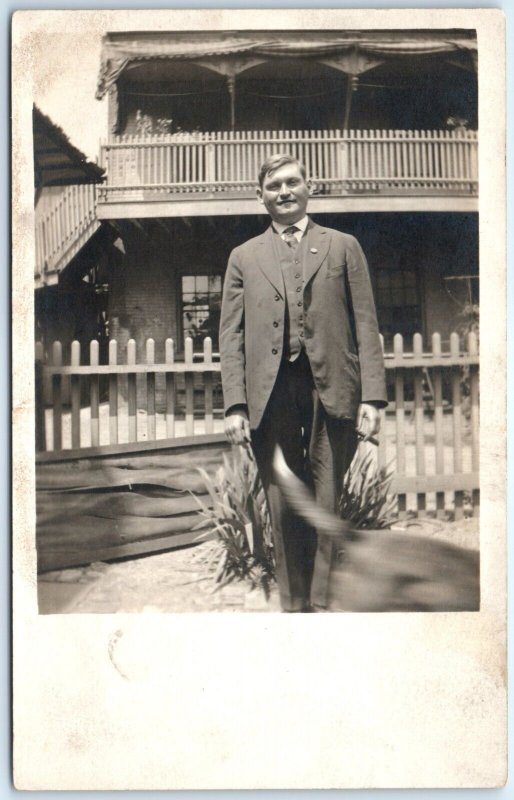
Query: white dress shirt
{"type": "Point", "coordinates": [301, 225]}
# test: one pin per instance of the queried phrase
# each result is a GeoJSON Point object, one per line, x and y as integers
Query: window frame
{"type": "Point", "coordinates": [180, 295]}
{"type": "Point", "coordinates": [399, 271]}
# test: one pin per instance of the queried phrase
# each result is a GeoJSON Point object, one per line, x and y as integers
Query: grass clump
{"type": "Point", "coordinates": [242, 547]}
{"type": "Point", "coordinates": [366, 501]}
{"type": "Point", "coordinates": [237, 514]}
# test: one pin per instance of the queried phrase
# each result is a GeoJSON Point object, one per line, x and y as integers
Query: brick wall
{"type": "Point", "coordinates": [145, 287]}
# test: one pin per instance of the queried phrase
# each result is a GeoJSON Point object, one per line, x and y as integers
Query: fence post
{"type": "Point", "coordinates": [437, 380]}
{"type": "Point", "coordinates": [94, 353]}
{"type": "Point", "coordinates": [189, 384]}
{"type": "Point", "coordinates": [75, 396]}
{"type": "Point", "coordinates": [399, 396]}
{"type": "Point", "coordinates": [210, 166]}
{"type": "Point", "coordinates": [419, 417]}
{"type": "Point", "coordinates": [57, 396]}
{"type": "Point", "coordinates": [457, 420]}
{"type": "Point", "coordinates": [382, 434]}
{"type": "Point", "coordinates": [131, 392]}
{"type": "Point", "coordinates": [343, 162]}
{"type": "Point", "coordinates": [113, 393]}
{"type": "Point", "coordinates": [39, 399]}
{"type": "Point", "coordinates": [150, 391]}
{"type": "Point", "coordinates": [170, 390]}
{"type": "Point", "coordinates": [207, 377]}
{"type": "Point", "coordinates": [474, 398]}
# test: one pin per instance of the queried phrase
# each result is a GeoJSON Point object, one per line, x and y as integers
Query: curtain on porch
{"type": "Point", "coordinates": [120, 52]}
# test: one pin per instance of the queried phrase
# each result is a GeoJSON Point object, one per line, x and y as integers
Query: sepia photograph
{"type": "Point", "coordinates": [354, 350]}
{"type": "Point", "coordinates": [253, 370]}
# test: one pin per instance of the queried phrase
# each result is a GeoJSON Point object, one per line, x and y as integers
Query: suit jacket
{"type": "Point", "coordinates": [340, 325]}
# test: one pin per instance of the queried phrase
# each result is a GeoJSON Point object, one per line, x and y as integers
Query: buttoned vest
{"type": "Point", "coordinates": [291, 262]}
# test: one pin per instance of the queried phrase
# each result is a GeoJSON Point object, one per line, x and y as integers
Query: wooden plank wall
{"type": "Point", "coordinates": [95, 509]}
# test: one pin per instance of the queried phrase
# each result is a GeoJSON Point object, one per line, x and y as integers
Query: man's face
{"type": "Point", "coordinates": [285, 193]}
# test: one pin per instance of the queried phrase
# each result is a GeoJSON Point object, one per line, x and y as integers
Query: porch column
{"type": "Point", "coordinates": [351, 87]}
{"type": "Point", "coordinates": [113, 109]}
{"type": "Point", "coordinates": [353, 64]}
{"type": "Point", "coordinates": [231, 83]}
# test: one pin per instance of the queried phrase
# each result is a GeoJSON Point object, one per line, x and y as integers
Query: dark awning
{"type": "Point", "coordinates": [121, 51]}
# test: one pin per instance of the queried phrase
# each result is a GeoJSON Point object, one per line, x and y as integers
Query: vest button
{"type": "Point", "coordinates": [297, 274]}
{"type": "Point", "coordinates": [277, 297]}
{"type": "Point", "coordinates": [274, 351]}
{"type": "Point", "coordinates": [300, 303]}
{"type": "Point", "coordinates": [298, 288]}
{"type": "Point", "coordinates": [275, 324]}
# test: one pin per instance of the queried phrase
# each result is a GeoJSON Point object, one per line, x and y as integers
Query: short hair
{"type": "Point", "coordinates": [272, 163]}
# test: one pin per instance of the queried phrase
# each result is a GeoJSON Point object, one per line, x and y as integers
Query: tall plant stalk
{"type": "Point", "coordinates": [242, 548]}
{"type": "Point", "coordinates": [366, 501]}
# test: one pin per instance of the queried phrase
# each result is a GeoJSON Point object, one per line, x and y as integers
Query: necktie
{"type": "Point", "coordinates": [289, 236]}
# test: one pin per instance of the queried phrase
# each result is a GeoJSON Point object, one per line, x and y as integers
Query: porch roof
{"type": "Point", "coordinates": [56, 161]}
{"type": "Point", "coordinates": [229, 52]}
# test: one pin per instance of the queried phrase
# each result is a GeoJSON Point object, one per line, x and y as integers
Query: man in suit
{"type": "Point", "coordinates": [301, 366]}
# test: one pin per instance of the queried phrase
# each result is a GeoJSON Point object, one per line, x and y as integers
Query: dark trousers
{"type": "Point", "coordinates": [319, 450]}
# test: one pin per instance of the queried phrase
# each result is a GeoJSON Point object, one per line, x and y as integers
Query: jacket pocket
{"type": "Point", "coordinates": [335, 270]}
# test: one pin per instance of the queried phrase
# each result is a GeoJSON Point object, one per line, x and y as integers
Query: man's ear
{"type": "Point", "coordinates": [309, 186]}
{"type": "Point", "coordinates": [259, 195]}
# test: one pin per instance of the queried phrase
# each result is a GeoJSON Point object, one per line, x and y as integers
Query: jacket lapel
{"type": "Point", "coordinates": [268, 263]}
{"type": "Point", "coordinates": [318, 245]}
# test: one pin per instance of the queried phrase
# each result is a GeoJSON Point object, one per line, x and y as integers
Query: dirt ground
{"type": "Point", "coordinates": [175, 581]}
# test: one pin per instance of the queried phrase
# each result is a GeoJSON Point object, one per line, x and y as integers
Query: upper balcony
{"type": "Point", "coordinates": [383, 120]}
{"type": "Point", "coordinates": [214, 173]}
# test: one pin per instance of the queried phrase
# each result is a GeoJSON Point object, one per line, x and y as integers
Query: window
{"type": "Point", "coordinates": [398, 306]}
{"type": "Point", "coordinates": [201, 306]}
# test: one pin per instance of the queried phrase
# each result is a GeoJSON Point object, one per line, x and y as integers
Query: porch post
{"type": "Point", "coordinates": [231, 82]}
{"type": "Point", "coordinates": [113, 109]}
{"type": "Point", "coordinates": [351, 87]}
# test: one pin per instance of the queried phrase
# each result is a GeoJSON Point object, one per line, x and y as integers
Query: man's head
{"type": "Point", "coordinates": [283, 188]}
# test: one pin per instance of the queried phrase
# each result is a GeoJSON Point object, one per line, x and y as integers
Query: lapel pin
{"type": "Point", "coordinates": [314, 249]}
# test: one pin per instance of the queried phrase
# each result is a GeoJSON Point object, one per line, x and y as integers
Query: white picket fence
{"type": "Point", "coordinates": [429, 434]}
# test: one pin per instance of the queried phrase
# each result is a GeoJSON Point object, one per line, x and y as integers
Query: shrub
{"type": "Point", "coordinates": [238, 516]}
{"type": "Point", "coordinates": [242, 548]}
{"type": "Point", "coordinates": [365, 500]}
{"type": "Point", "coordinates": [469, 322]}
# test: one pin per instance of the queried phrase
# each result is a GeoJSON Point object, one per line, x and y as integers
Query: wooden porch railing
{"type": "Point", "coordinates": [339, 162]}
{"type": "Point", "coordinates": [218, 164]}
{"type": "Point", "coordinates": [63, 230]}
{"type": "Point", "coordinates": [428, 437]}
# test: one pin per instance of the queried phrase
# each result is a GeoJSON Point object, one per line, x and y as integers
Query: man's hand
{"type": "Point", "coordinates": [237, 427]}
{"type": "Point", "coordinates": [368, 421]}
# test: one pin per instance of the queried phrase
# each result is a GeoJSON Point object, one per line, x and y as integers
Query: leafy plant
{"type": "Point", "coordinates": [146, 125]}
{"type": "Point", "coordinates": [469, 322]}
{"type": "Point", "coordinates": [365, 500]}
{"type": "Point", "coordinates": [238, 514]}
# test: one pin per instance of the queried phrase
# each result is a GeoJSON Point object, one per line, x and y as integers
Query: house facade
{"type": "Point", "coordinates": [385, 122]}
{"type": "Point", "coordinates": [72, 245]}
